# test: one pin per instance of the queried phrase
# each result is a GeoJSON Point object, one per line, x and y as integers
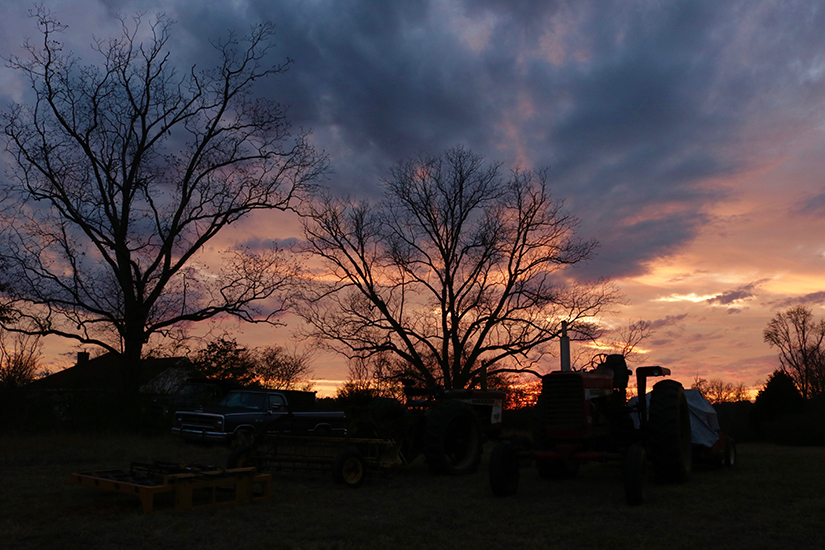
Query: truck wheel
{"type": "Point", "coordinates": [243, 457]}
{"type": "Point", "coordinates": [669, 431]}
{"type": "Point", "coordinates": [349, 468]}
{"type": "Point", "coordinates": [730, 452]}
{"type": "Point", "coordinates": [452, 439]}
{"type": "Point", "coordinates": [635, 462]}
{"type": "Point", "coordinates": [242, 438]}
{"type": "Point", "coordinates": [504, 469]}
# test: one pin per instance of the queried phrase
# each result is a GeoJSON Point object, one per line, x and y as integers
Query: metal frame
{"type": "Point", "coordinates": [191, 486]}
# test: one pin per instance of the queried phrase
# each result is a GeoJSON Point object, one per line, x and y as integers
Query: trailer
{"type": "Point", "coordinates": [186, 486]}
{"type": "Point", "coordinates": [349, 458]}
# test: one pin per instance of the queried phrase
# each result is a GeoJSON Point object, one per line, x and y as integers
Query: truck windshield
{"type": "Point", "coordinates": [245, 400]}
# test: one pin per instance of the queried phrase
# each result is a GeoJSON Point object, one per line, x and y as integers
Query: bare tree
{"type": "Point", "coordinates": [277, 368]}
{"type": "Point", "coordinates": [457, 272]}
{"type": "Point", "coordinates": [799, 338]}
{"type": "Point", "coordinates": [719, 391]}
{"type": "Point", "coordinates": [19, 359]}
{"type": "Point", "coordinates": [126, 170]}
{"type": "Point", "coordinates": [629, 338]}
{"type": "Point", "coordinates": [375, 375]}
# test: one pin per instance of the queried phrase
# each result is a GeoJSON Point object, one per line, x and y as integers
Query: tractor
{"type": "Point", "coordinates": [584, 416]}
{"type": "Point", "coordinates": [448, 427]}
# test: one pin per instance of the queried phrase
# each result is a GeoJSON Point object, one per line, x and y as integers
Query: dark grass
{"type": "Point", "coordinates": [774, 498]}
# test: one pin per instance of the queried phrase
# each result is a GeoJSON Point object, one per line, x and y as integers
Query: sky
{"type": "Point", "coordinates": [687, 136]}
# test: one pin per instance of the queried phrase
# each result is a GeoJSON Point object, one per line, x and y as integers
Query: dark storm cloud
{"type": "Point", "coordinates": [632, 106]}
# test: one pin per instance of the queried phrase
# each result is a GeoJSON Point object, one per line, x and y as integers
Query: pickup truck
{"type": "Point", "coordinates": [242, 414]}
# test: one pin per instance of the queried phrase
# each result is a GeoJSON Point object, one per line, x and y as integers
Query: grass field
{"type": "Point", "coordinates": [773, 498]}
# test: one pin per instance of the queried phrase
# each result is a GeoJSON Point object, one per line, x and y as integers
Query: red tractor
{"type": "Point", "coordinates": [584, 416]}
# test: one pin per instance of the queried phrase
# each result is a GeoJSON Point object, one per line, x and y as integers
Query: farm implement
{"type": "Point", "coordinates": [349, 458]}
{"type": "Point", "coordinates": [187, 486]}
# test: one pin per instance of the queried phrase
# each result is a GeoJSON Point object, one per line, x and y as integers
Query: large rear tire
{"type": "Point", "coordinates": [504, 469]}
{"type": "Point", "coordinates": [452, 439]}
{"type": "Point", "coordinates": [669, 432]}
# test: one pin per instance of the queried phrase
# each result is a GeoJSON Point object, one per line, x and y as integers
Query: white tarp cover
{"type": "Point", "coordinates": [704, 424]}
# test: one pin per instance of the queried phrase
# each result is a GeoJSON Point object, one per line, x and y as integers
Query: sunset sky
{"type": "Point", "coordinates": [688, 137]}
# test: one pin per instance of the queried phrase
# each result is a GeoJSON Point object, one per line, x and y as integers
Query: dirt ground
{"type": "Point", "coordinates": [773, 498]}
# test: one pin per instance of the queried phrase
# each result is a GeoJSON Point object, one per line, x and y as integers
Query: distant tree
{"type": "Point", "coordinates": [720, 391]}
{"type": "Point", "coordinates": [799, 338]}
{"type": "Point", "coordinates": [778, 398]}
{"type": "Point", "coordinates": [628, 338]}
{"type": "Point", "coordinates": [125, 170]}
{"type": "Point", "coordinates": [373, 376]}
{"type": "Point", "coordinates": [272, 367]}
{"type": "Point", "coordinates": [224, 359]}
{"type": "Point", "coordinates": [458, 272]}
{"type": "Point", "coordinates": [277, 368]}
{"type": "Point", "coordinates": [19, 359]}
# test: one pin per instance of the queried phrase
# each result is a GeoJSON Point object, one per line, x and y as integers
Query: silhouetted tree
{"type": "Point", "coordinates": [224, 359]}
{"type": "Point", "coordinates": [719, 391]}
{"type": "Point", "coordinates": [776, 403]}
{"type": "Point", "coordinates": [272, 367]}
{"type": "Point", "coordinates": [19, 359]}
{"type": "Point", "coordinates": [125, 170]}
{"type": "Point", "coordinates": [276, 368]}
{"type": "Point", "coordinates": [628, 338]}
{"type": "Point", "coordinates": [457, 272]}
{"type": "Point", "coordinates": [799, 338]}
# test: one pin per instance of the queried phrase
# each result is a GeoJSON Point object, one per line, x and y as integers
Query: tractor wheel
{"type": "Point", "coordinates": [669, 432]}
{"type": "Point", "coordinates": [452, 439]}
{"type": "Point", "coordinates": [242, 457]}
{"type": "Point", "coordinates": [504, 469]}
{"type": "Point", "coordinates": [730, 452]}
{"type": "Point", "coordinates": [635, 466]}
{"type": "Point", "coordinates": [349, 468]}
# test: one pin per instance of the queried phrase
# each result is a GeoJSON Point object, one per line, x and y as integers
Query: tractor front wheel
{"type": "Point", "coordinates": [504, 469]}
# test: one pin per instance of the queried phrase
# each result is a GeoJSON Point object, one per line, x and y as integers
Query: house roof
{"type": "Point", "coordinates": [106, 373]}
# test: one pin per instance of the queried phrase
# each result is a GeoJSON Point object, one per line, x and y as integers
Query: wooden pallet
{"type": "Point", "coordinates": [190, 486]}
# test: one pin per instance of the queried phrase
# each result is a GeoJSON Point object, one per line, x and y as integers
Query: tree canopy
{"type": "Point", "coordinates": [126, 168]}
{"type": "Point", "coordinates": [458, 272]}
